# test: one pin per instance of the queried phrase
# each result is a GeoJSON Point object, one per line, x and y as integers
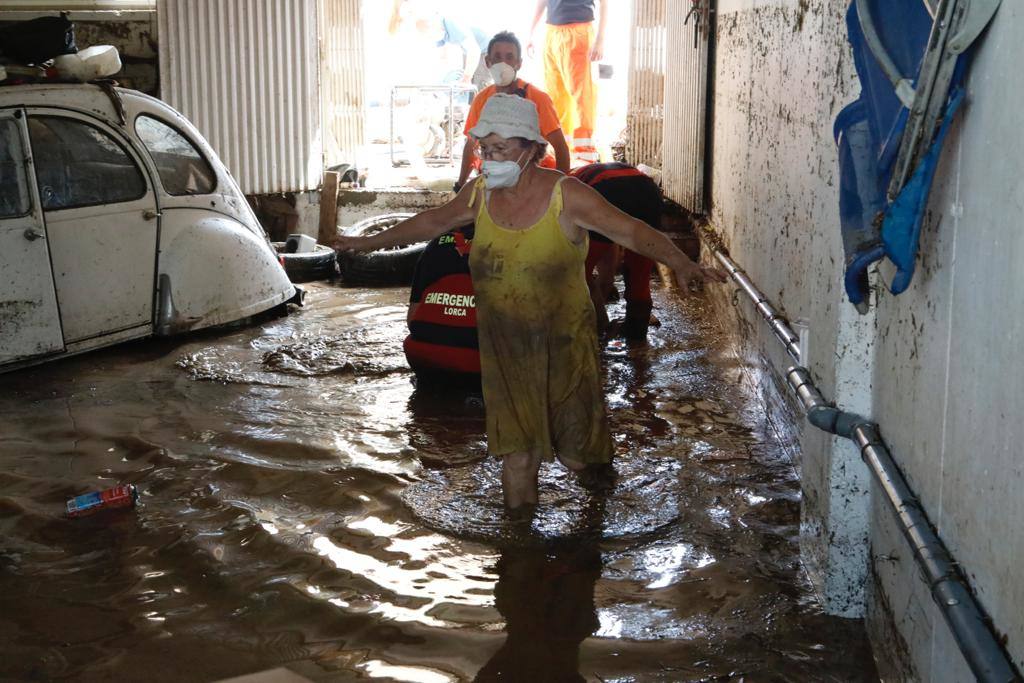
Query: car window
{"type": "Point", "coordinates": [183, 169]}
{"type": "Point", "coordinates": [78, 164]}
{"type": "Point", "coordinates": [13, 183]}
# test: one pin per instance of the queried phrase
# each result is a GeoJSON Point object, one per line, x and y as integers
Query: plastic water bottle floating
{"type": "Point", "coordinates": [123, 496]}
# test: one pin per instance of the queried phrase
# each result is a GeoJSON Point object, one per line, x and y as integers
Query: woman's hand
{"type": "Point", "coordinates": [346, 243]}
{"type": "Point", "coordinates": [691, 276]}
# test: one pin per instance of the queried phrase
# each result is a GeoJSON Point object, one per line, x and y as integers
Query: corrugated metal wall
{"type": "Point", "coordinates": [343, 95]}
{"type": "Point", "coordinates": [646, 83]}
{"type": "Point", "coordinates": [246, 74]}
{"type": "Point", "coordinates": [686, 91]}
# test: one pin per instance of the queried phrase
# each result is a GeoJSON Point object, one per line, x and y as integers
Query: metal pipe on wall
{"type": "Point", "coordinates": [777, 322]}
{"type": "Point", "coordinates": [970, 627]}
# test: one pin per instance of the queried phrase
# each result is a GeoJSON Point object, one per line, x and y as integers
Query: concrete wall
{"type": "Point", "coordinates": [935, 367]}
{"type": "Point", "coordinates": [299, 212]}
{"type": "Point", "coordinates": [356, 204]}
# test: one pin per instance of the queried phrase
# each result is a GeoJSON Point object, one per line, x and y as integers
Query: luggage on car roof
{"type": "Point", "coordinates": [37, 40]}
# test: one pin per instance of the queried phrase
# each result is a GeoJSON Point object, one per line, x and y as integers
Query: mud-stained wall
{"type": "Point", "coordinates": [783, 71]}
{"type": "Point", "coordinates": [133, 33]}
{"type": "Point", "coordinates": [936, 367]}
{"type": "Point", "coordinates": [949, 385]}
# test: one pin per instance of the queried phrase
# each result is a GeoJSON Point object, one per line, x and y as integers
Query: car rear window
{"type": "Point", "coordinates": [13, 183]}
{"type": "Point", "coordinates": [183, 169]}
{"type": "Point", "coordinates": [77, 164]}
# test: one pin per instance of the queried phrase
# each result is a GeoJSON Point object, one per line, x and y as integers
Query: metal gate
{"type": "Point", "coordinates": [646, 113]}
{"type": "Point", "coordinates": [342, 80]}
{"type": "Point", "coordinates": [690, 26]}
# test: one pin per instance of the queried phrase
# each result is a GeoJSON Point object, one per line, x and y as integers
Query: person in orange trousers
{"type": "Point", "coordinates": [570, 46]}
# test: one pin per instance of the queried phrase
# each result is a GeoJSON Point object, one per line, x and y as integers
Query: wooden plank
{"type": "Point", "coordinates": [328, 208]}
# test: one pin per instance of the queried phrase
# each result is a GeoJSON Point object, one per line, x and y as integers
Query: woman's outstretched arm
{"type": "Point", "coordinates": [425, 225]}
{"type": "Point", "coordinates": [589, 210]}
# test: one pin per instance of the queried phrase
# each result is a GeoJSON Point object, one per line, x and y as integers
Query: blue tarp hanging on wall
{"type": "Point", "coordinates": [869, 132]}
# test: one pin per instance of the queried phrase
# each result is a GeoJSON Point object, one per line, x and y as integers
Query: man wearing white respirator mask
{"type": "Point", "coordinates": [504, 59]}
{"type": "Point", "coordinates": [539, 368]}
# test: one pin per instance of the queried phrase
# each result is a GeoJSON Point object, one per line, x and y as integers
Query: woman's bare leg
{"type": "Point", "coordinates": [596, 477]}
{"type": "Point", "coordinates": [572, 464]}
{"type": "Point", "coordinates": [519, 479]}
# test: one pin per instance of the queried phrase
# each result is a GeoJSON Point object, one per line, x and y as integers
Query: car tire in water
{"type": "Point", "coordinates": [319, 264]}
{"type": "Point", "coordinates": [393, 266]}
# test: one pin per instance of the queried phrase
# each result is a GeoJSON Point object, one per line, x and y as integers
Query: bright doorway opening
{"type": "Point", "coordinates": [420, 57]}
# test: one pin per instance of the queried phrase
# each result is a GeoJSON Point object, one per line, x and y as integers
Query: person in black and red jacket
{"type": "Point", "coordinates": [636, 194]}
{"type": "Point", "coordinates": [442, 341]}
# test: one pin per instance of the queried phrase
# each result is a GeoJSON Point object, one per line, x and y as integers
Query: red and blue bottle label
{"type": "Point", "coordinates": [123, 496]}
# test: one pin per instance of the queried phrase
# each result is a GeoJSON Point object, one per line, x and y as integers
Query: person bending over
{"type": "Point", "coordinates": [442, 347]}
{"type": "Point", "coordinates": [631, 191]}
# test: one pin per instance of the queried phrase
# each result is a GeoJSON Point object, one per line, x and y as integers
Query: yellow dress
{"type": "Point", "coordinates": [538, 339]}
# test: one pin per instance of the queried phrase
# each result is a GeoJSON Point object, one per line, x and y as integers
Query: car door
{"type": "Point", "coordinates": [102, 223]}
{"type": "Point", "coordinates": [29, 319]}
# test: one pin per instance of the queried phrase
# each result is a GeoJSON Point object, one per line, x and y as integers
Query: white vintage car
{"type": "Point", "coordinates": [118, 221]}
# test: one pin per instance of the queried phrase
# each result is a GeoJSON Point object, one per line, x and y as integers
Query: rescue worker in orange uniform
{"type": "Point", "coordinates": [570, 45]}
{"type": "Point", "coordinates": [504, 60]}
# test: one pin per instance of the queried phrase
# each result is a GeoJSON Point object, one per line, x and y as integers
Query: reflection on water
{"type": "Point", "coordinates": [546, 596]}
{"type": "Point", "coordinates": [302, 505]}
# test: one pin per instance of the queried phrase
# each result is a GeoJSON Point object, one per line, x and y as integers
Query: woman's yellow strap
{"type": "Point", "coordinates": [477, 184]}
{"type": "Point", "coordinates": [556, 202]}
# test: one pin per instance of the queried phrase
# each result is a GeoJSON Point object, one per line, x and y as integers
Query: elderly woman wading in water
{"type": "Point", "coordinates": [538, 337]}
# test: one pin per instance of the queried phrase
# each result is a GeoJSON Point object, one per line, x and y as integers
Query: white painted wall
{"type": "Point", "coordinates": [950, 385]}
{"type": "Point", "coordinates": [937, 367]}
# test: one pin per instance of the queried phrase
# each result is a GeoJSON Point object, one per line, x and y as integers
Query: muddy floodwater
{"type": "Point", "coordinates": [303, 504]}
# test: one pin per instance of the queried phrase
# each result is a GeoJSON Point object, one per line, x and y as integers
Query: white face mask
{"type": "Point", "coordinates": [499, 174]}
{"type": "Point", "coordinates": [503, 74]}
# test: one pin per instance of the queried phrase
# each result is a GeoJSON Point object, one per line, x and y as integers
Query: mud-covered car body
{"type": "Point", "coordinates": [118, 221]}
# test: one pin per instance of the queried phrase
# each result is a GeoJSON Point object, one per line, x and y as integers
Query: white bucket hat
{"type": "Point", "coordinates": [510, 116]}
